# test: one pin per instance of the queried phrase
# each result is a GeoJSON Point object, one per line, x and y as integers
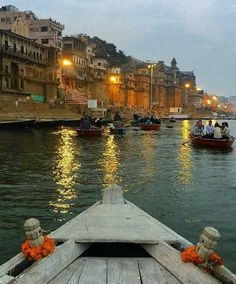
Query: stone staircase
{"type": "Point", "coordinates": [34, 110]}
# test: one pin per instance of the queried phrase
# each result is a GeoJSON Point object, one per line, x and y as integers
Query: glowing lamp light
{"type": "Point", "coordinates": [66, 62]}
{"type": "Point", "coordinates": [209, 102]}
{"type": "Point", "coordinates": [113, 79]}
{"type": "Point", "coordinates": [151, 66]}
{"type": "Point", "coordinates": [187, 85]}
{"type": "Point", "coordinates": [214, 98]}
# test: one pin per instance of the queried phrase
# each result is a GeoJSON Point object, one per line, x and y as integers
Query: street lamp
{"type": "Point", "coordinates": [151, 67]}
{"type": "Point", "coordinates": [65, 63]}
{"type": "Point", "coordinates": [186, 93]}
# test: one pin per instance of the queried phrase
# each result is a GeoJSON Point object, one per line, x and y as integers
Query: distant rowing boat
{"type": "Point", "coordinates": [148, 127]}
{"type": "Point", "coordinates": [92, 132]}
{"type": "Point", "coordinates": [117, 130]}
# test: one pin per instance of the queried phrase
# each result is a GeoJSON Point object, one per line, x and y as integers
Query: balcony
{"type": "Point", "coordinates": [15, 52]}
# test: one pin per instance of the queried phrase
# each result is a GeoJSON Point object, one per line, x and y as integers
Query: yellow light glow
{"type": "Point", "coordinates": [151, 65]}
{"type": "Point", "coordinates": [199, 89]}
{"type": "Point", "coordinates": [149, 143]}
{"type": "Point", "coordinates": [184, 156]}
{"type": "Point", "coordinates": [214, 98]}
{"type": "Point", "coordinates": [187, 85]}
{"type": "Point", "coordinates": [219, 105]}
{"type": "Point", "coordinates": [208, 102]}
{"type": "Point", "coordinates": [66, 62]}
{"type": "Point", "coordinates": [113, 79]}
{"type": "Point", "coordinates": [64, 172]}
{"type": "Point", "coordinates": [110, 163]}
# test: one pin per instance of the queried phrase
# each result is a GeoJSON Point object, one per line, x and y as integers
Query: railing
{"type": "Point", "coordinates": [13, 51]}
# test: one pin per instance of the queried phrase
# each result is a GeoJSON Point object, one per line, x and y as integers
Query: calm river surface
{"type": "Point", "coordinates": [53, 175]}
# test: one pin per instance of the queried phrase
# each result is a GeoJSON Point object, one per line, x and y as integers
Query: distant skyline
{"type": "Point", "coordinates": [199, 34]}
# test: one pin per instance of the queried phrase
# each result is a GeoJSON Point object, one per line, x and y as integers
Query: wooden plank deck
{"type": "Point", "coordinates": [100, 224]}
{"type": "Point", "coordinates": [112, 220]}
{"type": "Point", "coordinates": [91, 270]}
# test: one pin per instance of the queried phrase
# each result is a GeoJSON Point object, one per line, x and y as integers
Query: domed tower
{"type": "Point", "coordinates": [175, 90]}
{"type": "Point", "coordinates": [173, 63]}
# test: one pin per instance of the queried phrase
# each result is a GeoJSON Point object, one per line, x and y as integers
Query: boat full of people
{"type": "Point", "coordinates": [212, 142]}
{"type": "Point", "coordinates": [217, 136]}
{"type": "Point", "coordinates": [88, 129]}
{"type": "Point", "coordinates": [151, 126]}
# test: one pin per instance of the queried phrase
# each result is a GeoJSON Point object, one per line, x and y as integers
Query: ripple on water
{"type": "Point", "coordinates": [53, 175]}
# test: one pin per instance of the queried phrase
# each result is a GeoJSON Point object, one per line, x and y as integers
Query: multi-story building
{"type": "Point", "coordinates": [27, 69]}
{"type": "Point", "coordinates": [43, 31]}
{"type": "Point", "coordinates": [142, 87]}
{"type": "Point", "coordinates": [114, 83]}
{"type": "Point", "coordinates": [74, 74]}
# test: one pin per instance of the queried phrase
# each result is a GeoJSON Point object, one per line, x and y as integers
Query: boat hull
{"type": "Point", "coordinates": [15, 124]}
{"type": "Point", "coordinates": [93, 132]}
{"type": "Point", "coordinates": [120, 130]}
{"type": "Point", "coordinates": [148, 127]}
{"type": "Point", "coordinates": [216, 143]}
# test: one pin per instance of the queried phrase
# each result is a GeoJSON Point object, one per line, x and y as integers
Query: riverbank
{"type": "Point", "coordinates": [11, 111]}
{"type": "Point", "coordinates": [32, 110]}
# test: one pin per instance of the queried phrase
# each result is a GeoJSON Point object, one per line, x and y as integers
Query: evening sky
{"type": "Point", "coordinates": [199, 34]}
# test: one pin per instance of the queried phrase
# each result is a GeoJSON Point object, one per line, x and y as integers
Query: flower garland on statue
{"type": "Point", "coordinates": [36, 253]}
{"type": "Point", "coordinates": [190, 255]}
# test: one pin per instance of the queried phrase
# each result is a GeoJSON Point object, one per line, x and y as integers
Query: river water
{"type": "Point", "coordinates": [53, 175]}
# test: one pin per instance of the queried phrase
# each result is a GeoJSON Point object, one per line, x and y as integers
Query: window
{"type": "Point", "coordinates": [44, 29]}
{"type": "Point", "coordinates": [45, 41]}
{"type": "Point", "coordinates": [3, 19]}
{"type": "Point", "coordinates": [67, 45]}
{"type": "Point", "coordinates": [99, 64]}
{"type": "Point", "coordinates": [8, 20]}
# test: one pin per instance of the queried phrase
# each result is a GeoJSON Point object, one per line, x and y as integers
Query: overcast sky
{"type": "Point", "coordinates": [200, 34]}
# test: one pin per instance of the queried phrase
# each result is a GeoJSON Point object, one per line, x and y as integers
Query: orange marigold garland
{"type": "Point", "coordinates": [36, 253]}
{"type": "Point", "coordinates": [190, 255]}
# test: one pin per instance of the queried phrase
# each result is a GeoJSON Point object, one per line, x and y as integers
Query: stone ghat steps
{"type": "Point", "coordinates": [9, 110]}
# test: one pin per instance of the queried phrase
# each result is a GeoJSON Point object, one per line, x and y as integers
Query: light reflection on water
{"type": "Point", "coordinates": [54, 175]}
{"type": "Point", "coordinates": [184, 155]}
{"type": "Point", "coordinates": [110, 163]}
{"type": "Point", "coordinates": [64, 171]}
{"type": "Point", "coordinates": [147, 154]}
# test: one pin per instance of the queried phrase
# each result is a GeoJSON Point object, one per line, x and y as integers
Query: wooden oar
{"type": "Point", "coordinates": [191, 140]}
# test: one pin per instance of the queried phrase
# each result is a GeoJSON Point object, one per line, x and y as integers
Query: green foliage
{"type": "Point", "coordinates": [108, 51]}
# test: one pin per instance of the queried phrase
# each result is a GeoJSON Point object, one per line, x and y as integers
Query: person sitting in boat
{"type": "Point", "coordinates": [117, 117]}
{"type": "Point", "coordinates": [86, 124]}
{"type": "Point", "coordinates": [209, 130]}
{"type": "Point", "coordinates": [148, 121]}
{"type": "Point", "coordinates": [217, 131]}
{"type": "Point", "coordinates": [198, 129]}
{"type": "Point", "coordinates": [98, 122]}
{"type": "Point", "coordinates": [118, 124]}
{"type": "Point", "coordinates": [225, 130]}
